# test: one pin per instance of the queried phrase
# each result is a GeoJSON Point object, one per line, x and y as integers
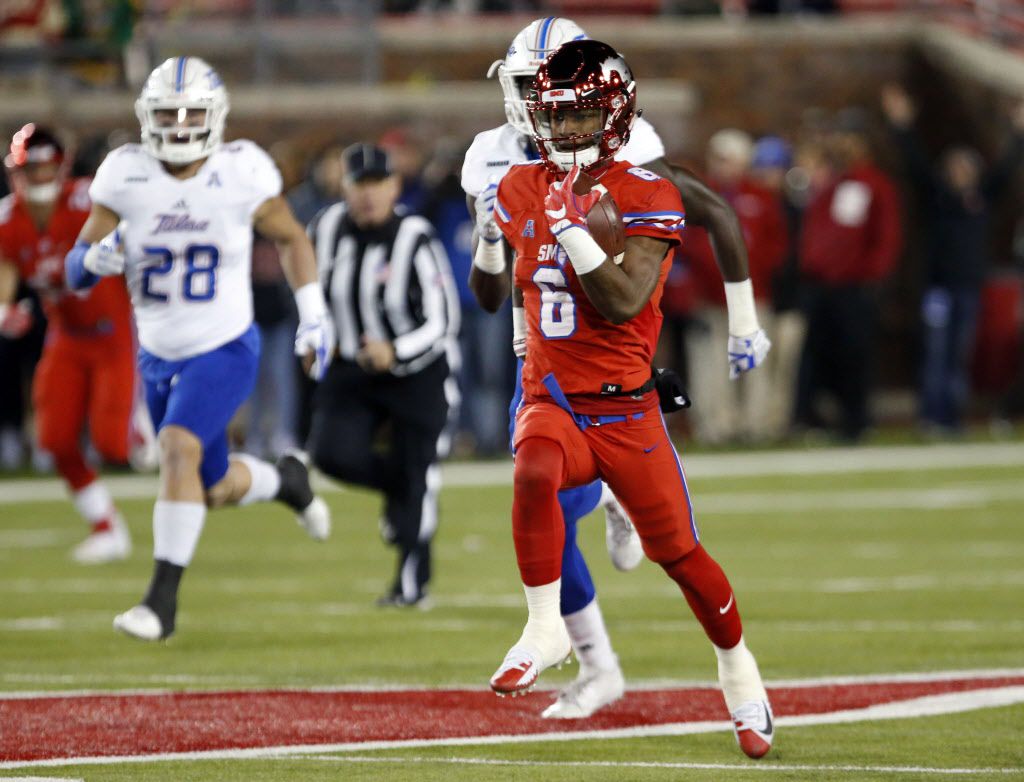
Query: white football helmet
{"type": "Point", "coordinates": [528, 50]}
{"type": "Point", "coordinates": [182, 110]}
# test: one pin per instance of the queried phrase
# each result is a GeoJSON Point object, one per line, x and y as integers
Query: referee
{"type": "Point", "coordinates": [380, 413]}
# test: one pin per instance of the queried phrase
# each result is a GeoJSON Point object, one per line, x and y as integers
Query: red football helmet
{"type": "Point", "coordinates": [36, 163]}
{"type": "Point", "coordinates": [582, 106]}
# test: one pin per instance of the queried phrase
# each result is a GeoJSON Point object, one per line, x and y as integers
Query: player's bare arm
{"type": "Point", "coordinates": [315, 339]}
{"type": "Point", "coordinates": [748, 343]}
{"type": "Point", "coordinates": [708, 210]}
{"type": "Point", "coordinates": [275, 221]}
{"type": "Point", "coordinates": [620, 291]}
{"type": "Point", "coordinates": [100, 223]}
{"type": "Point", "coordinates": [490, 277]}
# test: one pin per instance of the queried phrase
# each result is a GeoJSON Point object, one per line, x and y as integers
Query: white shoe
{"type": "Point", "coordinates": [316, 519]}
{"type": "Point", "coordinates": [620, 536]}
{"type": "Point", "coordinates": [140, 622]}
{"type": "Point", "coordinates": [106, 546]}
{"type": "Point", "coordinates": [754, 728]}
{"type": "Point", "coordinates": [590, 691]}
{"type": "Point", "coordinates": [524, 662]}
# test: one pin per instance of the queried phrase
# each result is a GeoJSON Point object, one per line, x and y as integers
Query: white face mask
{"type": "Point", "coordinates": [39, 194]}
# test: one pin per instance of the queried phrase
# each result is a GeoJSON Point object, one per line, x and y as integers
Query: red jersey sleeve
{"type": "Point", "coordinates": [650, 205]}
{"type": "Point", "coordinates": [516, 196]}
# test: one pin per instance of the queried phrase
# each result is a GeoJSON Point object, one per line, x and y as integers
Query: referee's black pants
{"type": "Point", "coordinates": [383, 432]}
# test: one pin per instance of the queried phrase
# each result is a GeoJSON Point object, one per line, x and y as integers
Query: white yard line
{"type": "Point", "coordinates": [763, 766]}
{"type": "Point", "coordinates": [36, 537]}
{"type": "Point", "coordinates": [911, 458]}
{"type": "Point", "coordinates": [788, 502]}
{"type": "Point", "coordinates": [952, 703]}
{"type": "Point", "coordinates": [222, 683]}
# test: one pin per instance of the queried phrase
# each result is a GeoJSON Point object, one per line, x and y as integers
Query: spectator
{"type": "Point", "coordinates": [273, 408]}
{"type": "Point", "coordinates": [957, 197]}
{"type": "Point", "coordinates": [407, 157]}
{"type": "Point", "coordinates": [274, 405]}
{"type": "Point", "coordinates": [850, 242]}
{"type": "Point", "coordinates": [770, 167]}
{"type": "Point", "coordinates": [321, 187]}
{"type": "Point", "coordinates": [739, 408]}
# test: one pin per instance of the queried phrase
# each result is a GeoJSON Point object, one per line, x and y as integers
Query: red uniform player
{"type": "Point", "coordinates": [87, 371]}
{"type": "Point", "coordinates": [589, 409]}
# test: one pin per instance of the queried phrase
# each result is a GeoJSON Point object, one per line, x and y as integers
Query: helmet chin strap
{"type": "Point", "coordinates": [41, 194]}
{"type": "Point", "coordinates": [182, 154]}
{"type": "Point", "coordinates": [578, 157]}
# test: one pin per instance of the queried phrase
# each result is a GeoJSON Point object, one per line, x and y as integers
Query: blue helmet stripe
{"type": "Point", "coordinates": [179, 76]}
{"type": "Point", "coordinates": [544, 34]}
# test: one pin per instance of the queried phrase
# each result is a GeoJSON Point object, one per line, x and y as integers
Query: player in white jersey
{"type": "Point", "coordinates": [175, 215]}
{"type": "Point", "coordinates": [491, 154]}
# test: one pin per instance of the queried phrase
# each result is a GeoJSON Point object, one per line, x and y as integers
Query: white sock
{"type": "Point", "coordinates": [590, 639]}
{"type": "Point", "coordinates": [176, 530]}
{"type": "Point", "coordinates": [738, 675]}
{"type": "Point", "coordinates": [544, 627]}
{"type": "Point", "coordinates": [265, 479]}
{"type": "Point", "coordinates": [94, 502]}
{"type": "Point", "coordinates": [606, 494]}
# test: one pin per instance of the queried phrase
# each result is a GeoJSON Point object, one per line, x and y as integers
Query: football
{"type": "Point", "coordinates": [604, 219]}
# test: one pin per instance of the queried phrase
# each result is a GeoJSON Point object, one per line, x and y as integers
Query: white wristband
{"type": "Point", "coordinates": [585, 253]}
{"type": "Point", "coordinates": [739, 297]}
{"type": "Point", "coordinates": [518, 323]}
{"type": "Point", "coordinates": [309, 299]}
{"type": "Point", "coordinates": [490, 256]}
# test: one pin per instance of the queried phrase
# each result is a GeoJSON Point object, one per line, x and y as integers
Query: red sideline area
{"type": "Point", "coordinates": [107, 725]}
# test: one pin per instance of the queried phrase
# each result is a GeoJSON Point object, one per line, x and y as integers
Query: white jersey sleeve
{"type": "Point", "coordinates": [490, 156]}
{"type": "Point", "coordinates": [644, 144]}
{"type": "Point", "coordinates": [254, 171]}
{"type": "Point", "coordinates": [122, 167]}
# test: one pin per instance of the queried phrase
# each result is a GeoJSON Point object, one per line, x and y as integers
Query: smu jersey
{"type": "Point", "coordinates": [493, 152]}
{"type": "Point", "coordinates": [39, 258]}
{"type": "Point", "coordinates": [566, 335]}
{"type": "Point", "coordinates": [188, 243]}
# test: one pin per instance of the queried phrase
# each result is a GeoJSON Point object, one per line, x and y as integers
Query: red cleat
{"type": "Point", "coordinates": [518, 672]}
{"type": "Point", "coordinates": [752, 724]}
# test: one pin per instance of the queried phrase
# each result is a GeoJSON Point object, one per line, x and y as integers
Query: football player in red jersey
{"type": "Point", "coordinates": [589, 407]}
{"type": "Point", "coordinates": [87, 371]}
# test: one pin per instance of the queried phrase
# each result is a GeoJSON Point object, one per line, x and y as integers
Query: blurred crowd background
{"type": "Point", "coordinates": [871, 149]}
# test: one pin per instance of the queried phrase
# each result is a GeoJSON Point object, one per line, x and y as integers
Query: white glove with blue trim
{"type": "Point", "coordinates": [746, 353]}
{"type": "Point", "coordinates": [486, 226]}
{"type": "Point", "coordinates": [315, 336]}
{"type": "Point", "coordinates": [748, 344]}
{"type": "Point", "coordinates": [105, 258]}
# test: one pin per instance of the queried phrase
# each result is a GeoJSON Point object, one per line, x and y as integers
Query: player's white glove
{"type": "Point", "coordinates": [105, 258]}
{"type": "Point", "coordinates": [315, 336]}
{"type": "Point", "coordinates": [748, 352]}
{"type": "Point", "coordinates": [486, 226]}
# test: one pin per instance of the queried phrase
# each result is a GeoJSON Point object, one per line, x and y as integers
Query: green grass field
{"type": "Point", "coordinates": [870, 572]}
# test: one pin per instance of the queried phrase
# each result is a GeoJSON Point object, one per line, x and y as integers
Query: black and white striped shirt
{"type": "Point", "coordinates": [392, 283]}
